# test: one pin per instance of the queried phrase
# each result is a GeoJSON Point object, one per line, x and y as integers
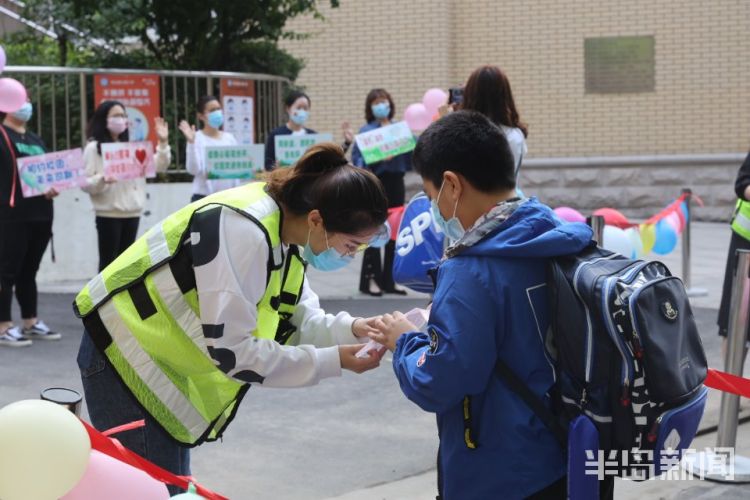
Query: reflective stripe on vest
{"type": "Point", "coordinates": [142, 311]}
{"type": "Point", "coordinates": [741, 220]}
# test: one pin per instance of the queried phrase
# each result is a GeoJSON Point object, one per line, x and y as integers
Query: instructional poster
{"type": "Point", "coordinates": [140, 94]}
{"type": "Point", "coordinates": [238, 101]}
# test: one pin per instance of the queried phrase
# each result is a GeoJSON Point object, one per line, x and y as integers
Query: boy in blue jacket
{"type": "Point", "coordinates": [490, 303]}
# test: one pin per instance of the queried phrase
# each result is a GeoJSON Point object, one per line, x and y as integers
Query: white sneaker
{"type": "Point", "coordinates": [13, 338]}
{"type": "Point", "coordinates": [39, 331]}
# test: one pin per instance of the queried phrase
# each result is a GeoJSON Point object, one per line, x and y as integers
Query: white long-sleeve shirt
{"type": "Point", "coordinates": [121, 199]}
{"type": "Point", "coordinates": [195, 163]}
{"type": "Point", "coordinates": [231, 284]}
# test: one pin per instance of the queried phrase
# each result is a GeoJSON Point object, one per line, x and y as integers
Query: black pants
{"type": "Point", "coordinates": [22, 245]}
{"type": "Point", "coordinates": [115, 235]}
{"type": "Point", "coordinates": [196, 197]}
{"type": "Point", "coordinates": [736, 243]}
{"type": "Point", "coordinates": [372, 269]}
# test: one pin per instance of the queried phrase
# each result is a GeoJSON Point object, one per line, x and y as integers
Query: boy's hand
{"type": "Point", "coordinates": [391, 327]}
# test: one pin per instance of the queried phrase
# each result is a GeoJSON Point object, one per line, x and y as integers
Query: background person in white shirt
{"type": "Point", "coordinates": [211, 117]}
{"type": "Point", "coordinates": [117, 203]}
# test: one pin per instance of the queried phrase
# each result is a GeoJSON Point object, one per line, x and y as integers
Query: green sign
{"type": "Point", "coordinates": [385, 142]}
{"type": "Point", "coordinates": [234, 162]}
{"type": "Point", "coordinates": [289, 148]}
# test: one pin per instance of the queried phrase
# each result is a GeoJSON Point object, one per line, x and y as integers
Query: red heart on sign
{"type": "Point", "coordinates": [140, 155]}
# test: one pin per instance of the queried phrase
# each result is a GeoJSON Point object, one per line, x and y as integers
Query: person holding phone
{"type": "Point", "coordinates": [488, 91]}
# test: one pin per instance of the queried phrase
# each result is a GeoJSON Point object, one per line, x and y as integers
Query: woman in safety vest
{"type": "Point", "coordinates": [740, 241]}
{"type": "Point", "coordinates": [214, 299]}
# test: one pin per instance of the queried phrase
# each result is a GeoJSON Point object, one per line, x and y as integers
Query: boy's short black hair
{"type": "Point", "coordinates": [467, 143]}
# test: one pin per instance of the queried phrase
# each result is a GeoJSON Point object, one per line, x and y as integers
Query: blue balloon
{"type": "Point", "coordinates": [666, 238]}
{"type": "Point", "coordinates": [684, 208]}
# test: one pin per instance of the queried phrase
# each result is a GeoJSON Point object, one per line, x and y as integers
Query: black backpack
{"type": "Point", "coordinates": [627, 355]}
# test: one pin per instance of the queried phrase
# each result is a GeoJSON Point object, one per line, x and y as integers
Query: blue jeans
{"type": "Point", "coordinates": [110, 404]}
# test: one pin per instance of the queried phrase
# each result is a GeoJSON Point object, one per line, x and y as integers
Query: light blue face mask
{"type": "Point", "coordinates": [300, 116]}
{"type": "Point", "coordinates": [215, 118]}
{"type": "Point", "coordinates": [381, 110]}
{"type": "Point", "coordinates": [328, 260]}
{"type": "Point", "coordinates": [451, 227]}
{"type": "Point", "coordinates": [24, 114]}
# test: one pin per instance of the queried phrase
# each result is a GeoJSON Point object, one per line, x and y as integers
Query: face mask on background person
{"type": "Point", "coordinates": [117, 124]}
{"type": "Point", "coordinates": [381, 110]}
{"type": "Point", "coordinates": [328, 260]}
{"type": "Point", "coordinates": [451, 227]}
{"type": "Point", "coordinates": [216, 118]}
{"type": "Point", "coordinates": [24, 114]}
{"type": "Point", "coordinates": [300, 116]}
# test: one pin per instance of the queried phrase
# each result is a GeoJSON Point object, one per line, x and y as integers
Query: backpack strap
{"type": "Point", "coordinates": [13, 166]}
{"type": "Point", "coordinates": [516, 385]}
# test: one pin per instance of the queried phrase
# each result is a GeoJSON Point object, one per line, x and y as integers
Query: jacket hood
{"type": "Point", "coordinates": [533, 231]}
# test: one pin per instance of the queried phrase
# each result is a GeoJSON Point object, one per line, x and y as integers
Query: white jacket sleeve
{"type": "Point", "coordinates": [230, 271]}
{"type": "Point", "coordinates": [93, 167]}
{"type": "Point", "coordinates": [192, 163]}
{"type": "Point", "coordinates": [163, 157]}
{"type": "Point", "coordinates": [318, 328]}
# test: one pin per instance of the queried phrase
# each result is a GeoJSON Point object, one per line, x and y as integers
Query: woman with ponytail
{"type": "Point", "coordinates": [215, 300]}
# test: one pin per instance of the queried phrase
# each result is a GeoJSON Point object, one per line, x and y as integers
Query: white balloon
{"type": "Point", "coordinates": [616, 240]}
{"type": "Point", "coordinates": [635, 240]}
{"type": "Point", "coordinates": [44, 450]}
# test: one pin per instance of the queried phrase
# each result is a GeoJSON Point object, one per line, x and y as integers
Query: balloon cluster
{"type": "Point", "coordinates": [12, 92]}
{"type": "Point", "coordinates": [658, 234]}
{"type": "Point", "coordinates": [419, 115]}
{"type": "Point", "coordinates": [46, 453]}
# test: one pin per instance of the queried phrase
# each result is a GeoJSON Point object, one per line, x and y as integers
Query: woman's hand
{"type": "Point", "coordinates": [187, 130]}
{"type": "Point", "coordinates": [390, 328]}
{"type": "Point", "coordinates": [358, 365]}
{"type": "Point", "coordinates": [162, 129]}
{"type": "Point", "coordinates": [51, 193]}
{"type": "Point", "coordinates": [363, 326]}
{"type": "Point", "coordinates": [348, 133]}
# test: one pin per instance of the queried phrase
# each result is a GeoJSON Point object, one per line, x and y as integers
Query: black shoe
{"type": "Point", "coordinates": [395, 291]}
{"type": "Point", "coordinates": [373, 290]}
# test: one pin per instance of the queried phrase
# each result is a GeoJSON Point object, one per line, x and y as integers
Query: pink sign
{"type": "Point", "coordinates": [60, 170]}
{"type": "Point", "coordinates": [128, 160]}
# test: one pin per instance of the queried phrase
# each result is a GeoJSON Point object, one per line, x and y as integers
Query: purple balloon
{"type": "Point", "coordinates": [12, 95]}
{"type": "Point", "coordinates": [569, 214]}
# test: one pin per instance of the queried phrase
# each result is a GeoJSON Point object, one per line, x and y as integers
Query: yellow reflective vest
{"type": "Point", "coordinates": [741, 220]}
{"type": "Point", "coordinates": [142, 312]}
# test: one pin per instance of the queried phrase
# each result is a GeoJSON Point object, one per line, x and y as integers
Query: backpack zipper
{"type": "Point", "coordinates": [589, 327]}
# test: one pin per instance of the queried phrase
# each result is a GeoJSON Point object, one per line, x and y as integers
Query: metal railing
{"type": "Point", "coordinates": [63, 101]}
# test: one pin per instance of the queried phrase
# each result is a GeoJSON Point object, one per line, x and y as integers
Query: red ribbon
{"type": "Point", "coordinates": [727, 383]}
{"type": "Point", "coordinates": [113, 448]}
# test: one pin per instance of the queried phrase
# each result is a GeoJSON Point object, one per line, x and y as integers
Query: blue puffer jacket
{"type": "Point", "coordinates": [491, 302]}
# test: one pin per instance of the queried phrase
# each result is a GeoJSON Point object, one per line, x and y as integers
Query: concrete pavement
{"type": "Point", "coordinates": [357, 437]}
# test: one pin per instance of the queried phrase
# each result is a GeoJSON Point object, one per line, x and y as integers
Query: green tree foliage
{"type": "Point", "coordinates": [221, 35]}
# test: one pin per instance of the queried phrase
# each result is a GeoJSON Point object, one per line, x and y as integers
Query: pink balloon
{"type": "Point", "coordinates": [433, 99]}
{"type": "Point", "coordinates": [417, 117]}
{"type": "Point", "coordinates": [109, 478]}
{"type": "Point", "coordinates": [12, 95]}
{"type": "Point", "coordinates": [674, 221]}
{"type": "Point", "coordinates": [3, 59]}
{"type": "Point", "coordinates": [569, 214]}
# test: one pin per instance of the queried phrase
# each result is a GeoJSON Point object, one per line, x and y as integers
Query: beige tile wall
{"type": "Point", "coordinates": [702, 98]}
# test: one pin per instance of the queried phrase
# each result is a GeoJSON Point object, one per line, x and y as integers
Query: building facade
{"type": "Point", "coordinates": [671, 84]}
